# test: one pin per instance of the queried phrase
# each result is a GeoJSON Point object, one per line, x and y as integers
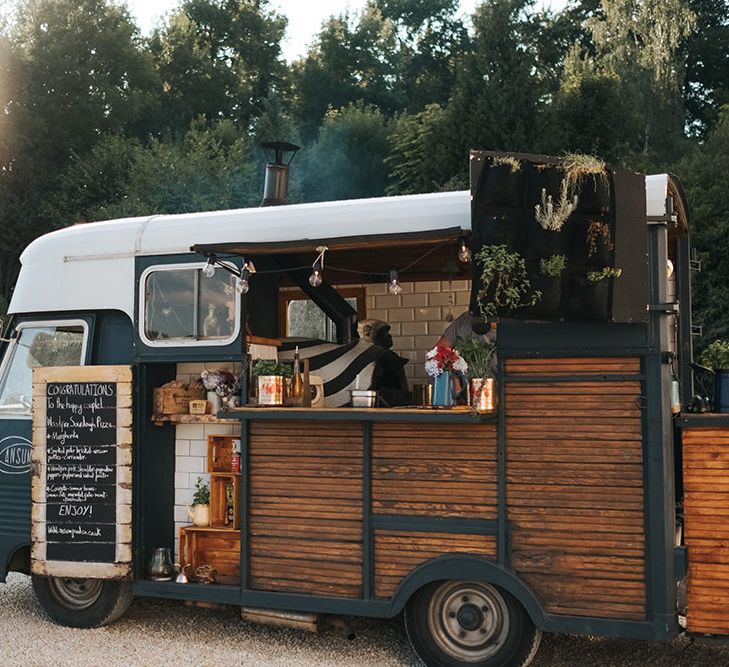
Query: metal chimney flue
{"type": "Point", "coordinates": [276, 186]}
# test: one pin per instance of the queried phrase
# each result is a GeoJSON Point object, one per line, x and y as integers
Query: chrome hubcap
{"type": "Point", "coordinates": [75, 593]}
{"type": "Point", "coordinates": [468, 620]}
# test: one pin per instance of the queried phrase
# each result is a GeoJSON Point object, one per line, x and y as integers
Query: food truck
{"type": "Point", "coordinates": [577, 501]}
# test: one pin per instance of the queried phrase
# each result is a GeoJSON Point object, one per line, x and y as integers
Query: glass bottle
{"type": "Point", "coordinates": [297, 382]}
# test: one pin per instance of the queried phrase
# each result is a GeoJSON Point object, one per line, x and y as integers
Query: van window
{"type": "Point", "coordinates": [182, 306]}
{"type": "Point", "coordinates": [37, 346]}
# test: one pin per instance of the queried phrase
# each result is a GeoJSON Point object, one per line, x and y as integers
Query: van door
{"type": "Point", "coordinates": [33, 344]}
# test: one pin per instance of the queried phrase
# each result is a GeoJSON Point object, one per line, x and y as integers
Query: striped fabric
{"type": "Point", "coordinates": [337, 365]}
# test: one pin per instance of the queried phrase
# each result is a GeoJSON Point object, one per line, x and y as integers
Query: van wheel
{"type": "Point", "coordinates": [457, 623]}
{"type": "Point", "coordinates": [82, 603]}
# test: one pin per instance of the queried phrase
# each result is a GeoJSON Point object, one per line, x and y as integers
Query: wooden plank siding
{"type": "Point", "coordinates": [706, 527]}
{"type": "Point", "coordinates": [397, 553]}
{"type": "Point", "coordinates": [574, 488]}
{"type": "Point", "coordinates": [434, 470]}
{"type": "Point", "coordinates": [305, 512]}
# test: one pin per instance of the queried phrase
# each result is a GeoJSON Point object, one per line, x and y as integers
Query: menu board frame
{"type": "Point", "coordinates": [113, 538]}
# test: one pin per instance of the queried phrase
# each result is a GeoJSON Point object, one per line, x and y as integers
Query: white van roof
{"type": "Point", "coordinates": [90, 266]}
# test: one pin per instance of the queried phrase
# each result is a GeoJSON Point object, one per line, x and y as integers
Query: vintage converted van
{"type": "Point", "coordinates": [578, 505]}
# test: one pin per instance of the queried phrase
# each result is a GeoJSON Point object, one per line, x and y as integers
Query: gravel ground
{"type": "Point", "coordinates": [155, 632]}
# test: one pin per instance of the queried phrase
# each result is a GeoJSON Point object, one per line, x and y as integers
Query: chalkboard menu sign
{"type": "Point", "coordinates": [82, 471]}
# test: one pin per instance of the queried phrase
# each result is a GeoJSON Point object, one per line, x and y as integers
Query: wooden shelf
{"type": "Point", "coordinates": [190, 419]}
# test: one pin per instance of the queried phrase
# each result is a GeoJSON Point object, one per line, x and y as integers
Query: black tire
{"type": "Point", "coordinates": [470, 623]}
{"type": "Point", "coordinates": [82, 603]}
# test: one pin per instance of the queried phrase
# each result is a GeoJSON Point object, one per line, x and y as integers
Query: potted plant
{"type": "Point", "coordinates": [591, 243]}
{"type": "Point", "coordinates": [716, 358]}
{"type": "Point", "coordinates": [549, 279]}
{"type": "Point", "coordinates": [590, 294]}
{"type": "Point", "coordinates": [270, 375]}
{"type": "Point", "coordinates": [442, 363]}
{"type": "Point", "coordinates": [200, 510]}
{"type": "Point", "coordinates": [220, 385]}
{"type": "Point", "coordinates": [586, 176]}
{"type": "Point", "coordinates": [505, 286]}
{"type": "Point", "coordinates": [503, 186]}
{"type": "Point", "coordinates": [480, 354]}
{"type": "Point", "coordinates": [549, 219]}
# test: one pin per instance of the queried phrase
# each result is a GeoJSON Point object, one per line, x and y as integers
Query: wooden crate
{"type": "Point", "coordinates": [212, 546]}
{"type": "Point", "coordinates": [219, 483]}
{"type": "Point", "coordinates": [220, 452]}
{"type": "Point", "coordinates": [175, 400]}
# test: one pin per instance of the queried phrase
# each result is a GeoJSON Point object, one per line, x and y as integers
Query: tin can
{"type": "Point", "coordinates": [483, 394]}
{"type": "Point", "coordinates": [270, 390]}
{"type": "Point", "coordinates": [423, 394]}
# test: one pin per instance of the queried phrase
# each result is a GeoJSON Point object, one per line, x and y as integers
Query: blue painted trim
{"type": "Point", "coordinates": [467, 568]}
{"type": "Point", "coordinates": [503, 552]}
{"type": "Point", "coordinates": [607, 627]}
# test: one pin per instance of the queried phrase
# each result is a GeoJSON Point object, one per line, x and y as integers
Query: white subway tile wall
{"type": "Point", "coordinates": [417, 318]}
{"type": "Point", "coordinates": [191, 447]}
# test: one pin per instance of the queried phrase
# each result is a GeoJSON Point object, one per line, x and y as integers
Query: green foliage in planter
{"type": "Point", "coordinates": [553, 267]}
{"type": "Point", "coordinates": [202, 492]}
{"type": "Point", "coordinates": [577, 166]}
{"type": "Point", "coordinates": [597, 229]}
{"type": "Point", "coordinates": [716, 356]}
{"type": "Point", "coordinates": [602, 274]}
{"type": "Point", "coordinates": [271, 367]}
{"type": "Point", "coordinates": [552, 216]}
{"type": "Point", "coordinates": [478, 354]}
{"type": "Point", "coordinates": [507, 161]}
{"type": "Point", "coordinates": [506, 286]}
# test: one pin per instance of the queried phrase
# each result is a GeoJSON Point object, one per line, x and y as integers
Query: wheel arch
{"type": "Point", "coordinates": [17, 560]}
{"type": "Point", "coordinates": [467, 568]}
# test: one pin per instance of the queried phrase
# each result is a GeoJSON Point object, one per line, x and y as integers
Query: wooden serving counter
{"type": "Point", "coordinates": [705, 449]}
{"type": "Point", "coordinates": [456, 414]}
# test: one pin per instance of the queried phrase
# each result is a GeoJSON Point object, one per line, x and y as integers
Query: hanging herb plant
{"type": "Point", "coordinates": [553, 267]}
{"type": "Point", "coordinates": [598, 230]}
{"type": "Point", "coordinates": [551, 216]}
{"type": "Point", "coordinates": [507, 161]}
{"type": "Point", "coordinates": [577, 166]}
{"type": "Point", "coordinates": [505, 285]}
{"type": "Point", "coordinates": [603, 274]}
{"type": "Point", "coordinates": [587, 176]}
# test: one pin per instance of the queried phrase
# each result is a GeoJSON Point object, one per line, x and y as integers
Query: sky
{"type": "Point", "coordinates": [305, 16]}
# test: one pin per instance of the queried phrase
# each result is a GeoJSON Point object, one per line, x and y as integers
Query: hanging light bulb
{"type": "Point", "coordinates": [394, 287]}
{"type": "Point", "coordinates": [464, 252]}
{"type": "Point", "coordinates": [209, 269]}
{"type": "Point", "coordinates": [315, 278]}
{"type": "Point", "coordinates": [317, 268]}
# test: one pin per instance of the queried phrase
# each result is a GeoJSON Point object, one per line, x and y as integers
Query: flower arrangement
{"type": "Point", "coordinates": [222, 382]}
{"type": "Point", "coordinates": [444, 359]}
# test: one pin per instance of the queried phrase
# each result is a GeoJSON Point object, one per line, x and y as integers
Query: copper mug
{"type": "Point", "coordinates": [423, 395]}
{"type": "Point", "coordinates": [483, 394]}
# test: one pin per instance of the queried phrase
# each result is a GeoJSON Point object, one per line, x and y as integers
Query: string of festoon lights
{"type": "Point", "coordinates": [316, 277]}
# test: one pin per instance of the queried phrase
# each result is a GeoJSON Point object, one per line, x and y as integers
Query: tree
{"type": "Point", "coordinates": [74, 70]}
{"type": "Point", "coordinates": [421, 159]}
{"type": "Point", "coordinates": [348, 159]}
{"type": "Point", "coordinates": [499, 98]}
{"type": "Point", "coordinates": [210, 168]}
{"type": "Point", "coordinates": [706, 87]}
{"type": "Point", "coordinates": [349, 62]}
{"type": "Point", "coordinates": [638, 64]}
{"type": "Point", "coordinates": [218, 59]}
{"type": "Point", "coordinates": [395, 54]}
{"type": "Point", "coordinates": [705, 176]}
